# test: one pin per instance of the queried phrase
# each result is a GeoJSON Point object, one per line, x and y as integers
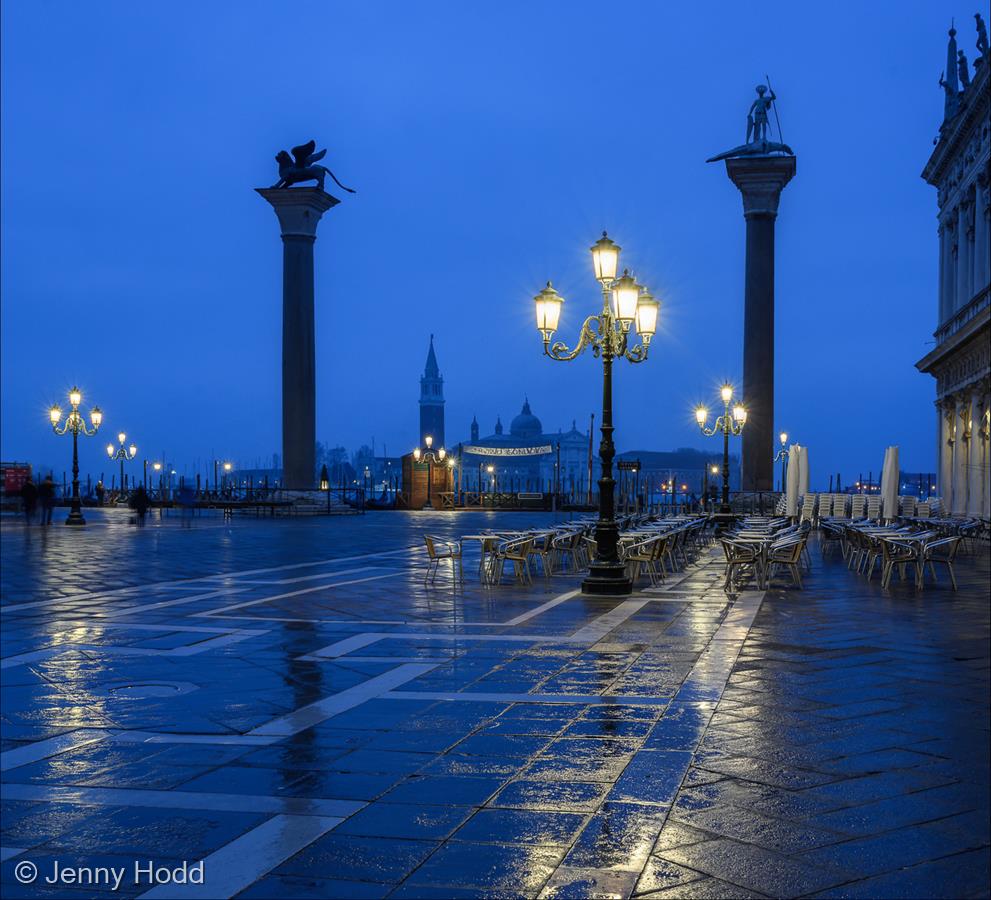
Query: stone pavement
{"type": "Point", "coordinates": [286, 702]}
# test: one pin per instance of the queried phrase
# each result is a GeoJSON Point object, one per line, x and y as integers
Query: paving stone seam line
{"type": "Point", "coordinates": [82, 795]}
{"type": "Point", "coordinates": [221, 640]}
{"type": "Point", "coordinates": [333, 704]}
{"type": "Point", "coordinates": [49, 747]}
{"type": "Point", "coordinates": [164, 585]}
{"type": "Point", "coordinates": [220, 610]}
{"type": "Point", "coordinates": [240, 863]}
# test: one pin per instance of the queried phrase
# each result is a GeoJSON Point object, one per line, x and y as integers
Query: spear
{"type": "Point", "coordinates": [774, 105]}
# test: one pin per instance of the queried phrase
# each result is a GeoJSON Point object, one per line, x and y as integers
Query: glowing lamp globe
{"type": "Point", "coordinates": [605, 259]}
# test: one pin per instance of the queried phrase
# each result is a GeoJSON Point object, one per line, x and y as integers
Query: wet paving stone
{"type": "Point", "coordinates": [411, 741]}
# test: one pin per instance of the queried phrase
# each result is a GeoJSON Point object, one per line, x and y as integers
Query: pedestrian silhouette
{"type": "Point", "coordinates": [140, 503]}
{"type": "Point", "coordinates": [29, 499]}
{"type": "Point", "coordinates": [46, 493]}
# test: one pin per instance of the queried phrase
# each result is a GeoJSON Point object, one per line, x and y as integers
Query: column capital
{"type": "Point", "coordinates": [299, 209]}
{"type": "Point", "coordinates": [761, 180]}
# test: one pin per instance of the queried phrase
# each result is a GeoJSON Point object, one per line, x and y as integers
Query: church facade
{"type": "Point", "coordinates": [961, 360]}
{"type": "Point", "coordinates": [526, 458]}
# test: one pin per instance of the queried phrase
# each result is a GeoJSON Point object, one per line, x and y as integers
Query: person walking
{"type": "Point", "coordinates": [29, 498]}
{"type": "Point", "coordinates": [46, 493]}
{"type": "Point", "coordinates": [140, 503]}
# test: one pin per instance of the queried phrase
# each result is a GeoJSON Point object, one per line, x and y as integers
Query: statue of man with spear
{"type": "Point", "coordinates": [757, 116]}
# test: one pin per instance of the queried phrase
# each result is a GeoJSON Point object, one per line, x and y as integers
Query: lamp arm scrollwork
{"type": "Point", "coordinates": [589, 337]}
{"type": "Point", "coordinates": [636, 354]}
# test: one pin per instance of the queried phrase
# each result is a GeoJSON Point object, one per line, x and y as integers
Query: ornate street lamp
{"type": "Point", "coordinates": [122, 453]}
{"type": "Point", "coordinates": [624, 304]}
{"type": "Point", "coordinates": [782, 454]}
{"type": "Point", "coordinates": [76, 425]}
{"type": "Point", "coordinates": [728, 424]}
{"type": "Point", "coordinates": [430, 456]}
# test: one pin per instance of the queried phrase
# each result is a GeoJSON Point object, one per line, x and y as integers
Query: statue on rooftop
{"type": "Point", "coordinates": [962, 69]}
{"type": "Point", "coordinates": [757, 130]}
{"type": "Point", "coordinates": [300, 167]}
{"type": "Point", "coordinates": [982, 35]}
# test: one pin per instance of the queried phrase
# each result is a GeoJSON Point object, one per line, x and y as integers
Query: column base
{"type": "Point", "coordinates": [75, 519]}
{"type": "Point", "coordinates": [608, 579]}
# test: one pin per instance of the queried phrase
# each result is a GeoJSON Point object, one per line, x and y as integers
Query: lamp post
{"type": "Point", "coordinates": [430, 456]}
{"type": "Point", "coordinates": [455, 466]}
{"type": "Point", "coordinates": [122, 453]}
{"type": "Point", "coordinates": [76, 425]}
{"type": "Point", "coordinates": [624, 302]}
{"type": "Point", "coordinates": [728, 424]}
{"type": "Point", "coordinates": [227, 471]}
{"type": "Point", "coordinates": [782, 454]}
{"type": "Point", "coordinates": [709, 469]}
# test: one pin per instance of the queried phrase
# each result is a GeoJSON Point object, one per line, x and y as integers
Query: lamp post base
{"type": "Point", "coordinates": [609, 579]}
{"type": "Point", "coordinates": [75, 517]}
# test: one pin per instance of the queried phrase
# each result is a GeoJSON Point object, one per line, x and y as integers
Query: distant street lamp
{"type": "Point", "coordinates": [624, 303]}
{"type": "Point", "coordinates": [122, 453]}
{"type": "Point", "coordinates": [430, 456]}
{"type": "Point", "coordinates": [455, 466]}
{"type": "Point", "coordinates": [782, 454]}
{"type": "Point", "coordinates": [76, 425]}
{"type": "Point", "coordinates": [727, 424]}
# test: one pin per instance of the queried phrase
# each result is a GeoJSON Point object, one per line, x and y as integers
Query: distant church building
{"type": "Point", "coordinates": [432, 401]}
{"type": "Point", "coordinates": [526, 459]}
{"type": "Point", "coordinates": [961, 361]}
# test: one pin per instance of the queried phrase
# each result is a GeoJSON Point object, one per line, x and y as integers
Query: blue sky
{"type": "Point", "coordinates": [489, 145]}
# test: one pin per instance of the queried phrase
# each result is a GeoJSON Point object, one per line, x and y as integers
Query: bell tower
{"type": "Point", "coordinates": [432, 400]}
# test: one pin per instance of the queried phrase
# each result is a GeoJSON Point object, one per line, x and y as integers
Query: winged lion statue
{"type": "Point", "coordinates": [301, 167]}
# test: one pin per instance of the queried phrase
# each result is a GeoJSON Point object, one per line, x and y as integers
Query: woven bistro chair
{"type": "Point", "coordinates": [516, 552]}
{"type": "Point", "coordinates": [568, 548]}
{"type": "Point", "coordinates": [895, 553]}
{"type": "Point", "coordinates": [543, 549]}
{"type": "Point", "coordinates": [439, 550]}
{"type": "Point", "coordinates": [786, 554]}
{"type": "Point", "coordinates": [941, 552]}
{"type": "Point", "coordinates": [642, 558]}
{"type": "Point", "coordinates": [739, 559]}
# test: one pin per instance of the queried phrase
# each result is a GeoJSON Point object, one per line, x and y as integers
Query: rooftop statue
{"type": "Point", "coordinates": [300, 167]}
{"type": "Point", "coordinates": [982, 35]}
{"type": "Point", "coordinates": [757, 130]}
{"type": "Point", "coordinates": [962, 69]}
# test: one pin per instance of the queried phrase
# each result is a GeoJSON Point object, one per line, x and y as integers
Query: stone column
{"type": "Point", "coordinates": [986, 454]}
{"type": "Point", "coordinates": [963, 258]}
{"type": "Point", "coordinates": [960, 456]}
{"type": "Point", "coordinates": [980, 239]}
{"type": "Point", "coordinates": [760, 180]}
{"type": "Point", "coordinates": [974, 453]}
{"type": "Point", "coordinates": [951, 279]}
{"type": "Point", "coordinates": [946, 407]}
{"type": "Point", "coordinates": [943, 271]}
{"type": "Point", "coordinates": [299, 211]}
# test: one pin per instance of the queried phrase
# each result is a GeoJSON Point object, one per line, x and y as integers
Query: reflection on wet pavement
{"type": "Point", "coordinates": [288, 703]}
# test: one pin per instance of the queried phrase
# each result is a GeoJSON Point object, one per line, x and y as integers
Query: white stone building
{"type": "Point", "coordinates": [961, 360]}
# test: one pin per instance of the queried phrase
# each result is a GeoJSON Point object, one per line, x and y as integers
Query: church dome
{"type": "Point", "coordinates": [526, 424]}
